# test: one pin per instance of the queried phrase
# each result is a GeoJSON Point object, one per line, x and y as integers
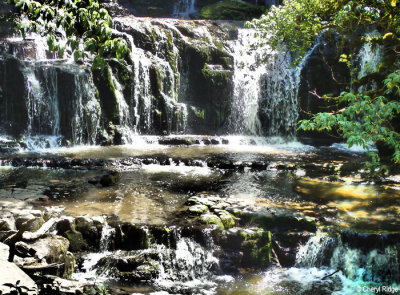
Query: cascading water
{"type": "Point", "coordinates": [42, 104]}
{"type": "Point", "coordinates": [87, 111]}
{"type": "Point", "coordinates": [369, 58]}
{"type": "Point", "coordinates": [137, 111]}
{"type": "Point", "coordinates": [184, 9]}
{"type": "Point", "coordinates": [91, 260]}
{"type": "Point", "coordinates": [265, 94]}
{"type": "Point", "coordinates": [355, 265]}
{"type": "Point", "coordinates": [184, 266]}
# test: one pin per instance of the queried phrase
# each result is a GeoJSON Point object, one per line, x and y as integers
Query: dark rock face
{"type": "Point", "coordinates": [179, 8]}
{"type": "Point", "coordinates": [13, 111]}
{"type": "Point", "coordinates": [322, 74]}
{"type": "Point", "coordinates": [232, 10]}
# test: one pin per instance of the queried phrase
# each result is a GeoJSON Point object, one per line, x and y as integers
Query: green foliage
{"type": "Point", "coordinates": [363, 114]}
{"type": "Point", "coordinates": [81, 26]}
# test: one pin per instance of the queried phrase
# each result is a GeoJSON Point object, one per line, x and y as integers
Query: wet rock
{"type": "Point", "coordinates": [215, 141]}
{"type": "Point", "coordinates": [211, 219]}
{"type": "Point", "coordinates": [279, 221]}
{"type": "Point", "coordinates": [131, 266]}
{"type": "Point", "coordinates": [51, 248]}
{"type": "Point", "coordinates": [5, 234]}
{"type": "Point", "coordinates": [176, 141]}
{"type": "Point", "coordinates": [131, 237]}
{"type": "Point", "coordinates": [5, 225]}
{"type": "Point", "coordinates": [54, 250]}
{"type": "Point", "coordinates": [195, 200]}
{"type": "Point", "coordinates": [228, 220]}
{"type": "Point", "coordinates": [76, 241]}
{"type": "Point", "coordinates": [286, 245]}
{"type": "Point", "coordinates": [254, 243]}
{"type": "Point", "coordinates": [24, 250]}
{"type": "Point", "coordinates": [36, 225]}
{"type": "Point", "coordinates": [198, 209]}
{"type": "Point", "coordinates": [90, 230]}
{"type": "Point", "coordinates": [64, 225]}
{"type": "Point", "coordinates": [110, 179]}
{"type": "Point", "coordinates": [22, 219]}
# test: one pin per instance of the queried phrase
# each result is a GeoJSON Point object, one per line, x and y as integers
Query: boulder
{"type": "Point", "coordinates": [198, 209]}
{"type": "Point", "coordinates": [53, 250]}
{"type": "Point", "coordinates": [76, 241]}
{"type": "Point", "coordinates": [212, 219]}
{"type": "Point", "coordinates": [12, 274]}
{"type": "Point", "coordinates": [110, 179]}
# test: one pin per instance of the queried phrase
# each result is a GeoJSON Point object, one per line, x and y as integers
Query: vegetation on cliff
{"type": "Point", "coordinates": [232, 10]}
{"type": "Point", "coordinates": [368, 111]}
{"type": "Point", "coordinates": [79, 26]}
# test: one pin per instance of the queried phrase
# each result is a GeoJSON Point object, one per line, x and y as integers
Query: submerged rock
{"type": "Point", "coordinates": [110, 179]}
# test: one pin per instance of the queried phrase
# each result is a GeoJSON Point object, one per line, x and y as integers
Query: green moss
{"type": "Point", "coordinates": [212, 219]}
{"type": "Point", "coordinates": [198, 209]}
{"type": "Point", "coordinates": [218, 77]}
{"type": "Point", "coordinates": [227, 220]}
{"type": "Point", "coordinates": [121, 71]}
{"type": "Point", "coordinates": [159, 78]}
{"type": "Point", "coordinates": [231, 10]}
{"type": "Point", "coordinates": [154, 36]}
{"type": "Point", "coordinates": [107, 94]}
{"type": "Point", "coordinates": [256, 248]}
{"type": "Point", "coordinates": [170, 51]}
{"type": "Point", "coordinates": [76, 241]}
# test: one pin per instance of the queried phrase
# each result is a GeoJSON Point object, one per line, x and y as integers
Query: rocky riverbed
{"type": "Point", "coordinates": [195, 218]}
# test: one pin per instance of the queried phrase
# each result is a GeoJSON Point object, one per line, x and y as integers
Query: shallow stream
{"type": "Point", "coordinates": [155, 181]}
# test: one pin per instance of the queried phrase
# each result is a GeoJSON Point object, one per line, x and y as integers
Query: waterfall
{"type": "Point", "coordinates": [107, 233]}
{"type": "Point", "coordinates": [187, 266]}
{"type": "Point", "coordinates": [43, 100]}
{"type": "Point", "coordinates": [137, 111]}
{"type": "Point", "coordinates": [86, 109]}
{"type": "Point", "coordinates": [265, 89]}
{"type": "Point", "coordinates": [377, 264]}
{"type": "Point", "coordinates": [127, 126]}
{"type": "Point", "coordinates": [184, 9]}
{"type": "Point", "coordinates": [369, 58]}
{"type": "Point", "coordinates": [42, 104]}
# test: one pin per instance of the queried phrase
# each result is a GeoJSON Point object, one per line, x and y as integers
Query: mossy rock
{"type": "Point", "coordinates": [76, 241]}
{"type": "Point", "coordinates": [198, 209]}
{"type": "Point", "coordinates": [228, 220]}
{"type": "Point", "coordinates": [254, 243]}
{"type": "Point", "coordinates": [231, 10]}
{"type": "Point", "coordinates": [5, 225]}
{"type": "Point", "coordinates": [212, 219]}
